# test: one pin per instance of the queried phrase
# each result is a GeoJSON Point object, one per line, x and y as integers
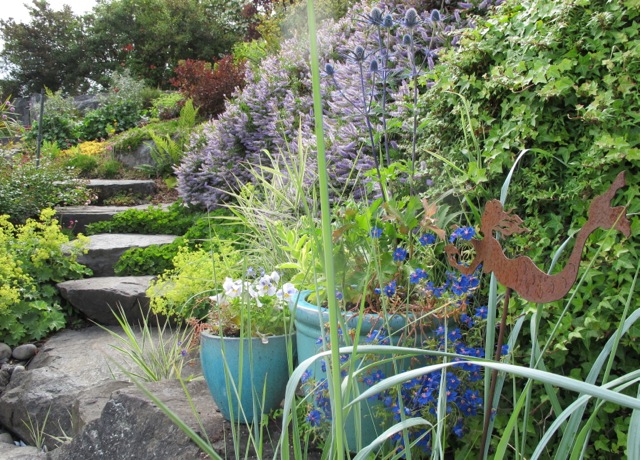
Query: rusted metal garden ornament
{"type": "Point", "coordinates": [520, 273]}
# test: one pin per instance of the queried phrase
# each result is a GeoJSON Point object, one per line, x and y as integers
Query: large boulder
{"type": "Point", "coordinates": [67, 384]}
{"type": "Point", "coordinates": [132, 427]}
{"type": "Point", "coordinates": [97, 297]}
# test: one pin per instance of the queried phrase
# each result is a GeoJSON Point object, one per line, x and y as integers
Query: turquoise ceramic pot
{"type": "Point", "coordinates": [264, 367]}
{"type": "Point", "coordinates": [310, 320]}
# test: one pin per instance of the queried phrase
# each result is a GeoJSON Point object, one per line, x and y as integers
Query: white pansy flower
{"type": "Point", "coordinates": [288, 292]}
{"type": "Point", "coordinates": [232, 288]}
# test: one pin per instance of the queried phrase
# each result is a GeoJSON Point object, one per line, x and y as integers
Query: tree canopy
{"type": "Point", "coordinates": [59, 50]}
{"type": "Point", "coordinates": [48, 51]}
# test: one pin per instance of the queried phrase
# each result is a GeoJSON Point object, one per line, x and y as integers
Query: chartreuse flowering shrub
{"type": "Point", "coordinates": [178, 292]}
{"type": "Point", "coordinates": [31, 262]}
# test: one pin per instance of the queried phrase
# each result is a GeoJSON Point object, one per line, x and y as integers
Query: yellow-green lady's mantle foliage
{"type": "Point", "coordinates": [194, 276]}
{"type": "Point", "coordinates": [31, 261]}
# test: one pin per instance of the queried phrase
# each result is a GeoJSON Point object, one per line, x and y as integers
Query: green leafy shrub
{"type": "Point", "coordinates": [31, 261]}
{"type": "Point", "coordinates": [177, 219]}
{"type": "Point", "coordinates": [60, 123]}
{"type": "Point", "coordinates": [252, 52]}
{"type": "Point", "coordinates": [151, 260]}
{"type": "Point", "coordinates": [553, 77]}
{"type": "Point", "coordinates": [109, 169]}
{"type": "Point", "coordinates": [26, 189]}
{"type": "Point", "coordinates": [85, 165]}
{"type": "Point", "coordinates": [167, 106]}
{"type": "Point", "coordinates": [195, 274]}
{"type": "Point", "coordinates": [117, 116]}
{"type": "Point", "coordinates": [55, 128]}
{"type": "Point", "coordinates": [167, 150]}
{"type": "Point", "coordinates": [205, 233]}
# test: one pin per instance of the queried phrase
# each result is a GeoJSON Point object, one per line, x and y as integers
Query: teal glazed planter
{"type": "Point", "coordinates": [309, 321]}
{"type": "Point", "coordinates": [264, 367]}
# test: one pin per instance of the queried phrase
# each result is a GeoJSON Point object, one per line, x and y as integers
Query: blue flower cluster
{"type": "Point", "coordinates": [419, 397]}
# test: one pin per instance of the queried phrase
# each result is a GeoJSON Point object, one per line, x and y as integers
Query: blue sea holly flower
{"type": "Point", "coordinates": [435, 15]}
{"type": "Point", "coordinates": [411, 18]}
{"type": "Point", "coordinates": [399, 254]}
{"type": "Point", "coordinates": [329, 70]}
{"type": "Point", "coordinates": [376, 232]}
{"type": "Point", "coordinates": [375, 17]}
{"type": "Point", "coordinates": [387, 21]}
{"type": "Point", "coordinates": [373, 67]}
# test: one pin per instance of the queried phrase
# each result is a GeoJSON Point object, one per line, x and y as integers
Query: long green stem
{"type": "Point", "coordinates": [325, 211]}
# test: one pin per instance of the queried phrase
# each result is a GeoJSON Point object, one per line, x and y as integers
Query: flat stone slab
{"type": "Point", "coordinates": [78, 217]}
{"type": "Point", "coordinates": [105, 188]}
{"type": "Point", "coordinates": [96, 297]}
{"type": "Point", "coordinates": [105, 249]}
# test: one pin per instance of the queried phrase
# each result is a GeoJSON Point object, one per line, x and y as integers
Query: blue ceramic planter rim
{"type": "Point", "coordinates": [260, 339]}
{"type": "Point", "coordinates": [308, 313]}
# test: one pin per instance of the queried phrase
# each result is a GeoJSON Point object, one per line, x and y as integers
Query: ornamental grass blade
{"type": "Point", "coordinates": [633, 438]}
{"type": "Point", "coordinates": [384, 437]}
{"type": "Point", "coordinates": [520, 371]}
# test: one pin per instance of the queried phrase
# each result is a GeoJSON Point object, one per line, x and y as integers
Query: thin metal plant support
{"type": "Point", "coordinates": [494, 373]}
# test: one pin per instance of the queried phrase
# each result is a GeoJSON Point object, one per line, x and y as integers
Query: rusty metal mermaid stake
{"type": "Point", "coordinates": [521, 274]}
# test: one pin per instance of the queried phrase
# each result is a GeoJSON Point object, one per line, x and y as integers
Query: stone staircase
{"type": "Point", "coordinates": [97, 296]}
{"type": "Point", "coordinates": [78, 217]}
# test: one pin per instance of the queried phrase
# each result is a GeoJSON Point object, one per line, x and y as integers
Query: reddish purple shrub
{"type": "Point", "coordinates": [208, 85]}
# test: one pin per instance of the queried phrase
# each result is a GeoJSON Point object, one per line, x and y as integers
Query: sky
{"type": "Point", "coordinates": [15, 8]}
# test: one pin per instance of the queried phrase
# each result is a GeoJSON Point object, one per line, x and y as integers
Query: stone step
{"type": "Point", "coordinates": [96, 297]}
{"type": "Point", "coordinates": [105, 249]}
{"type": "Point", "coordinates": [78, 217]}
{"type": "Point", "coordinates": [107, 188]}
